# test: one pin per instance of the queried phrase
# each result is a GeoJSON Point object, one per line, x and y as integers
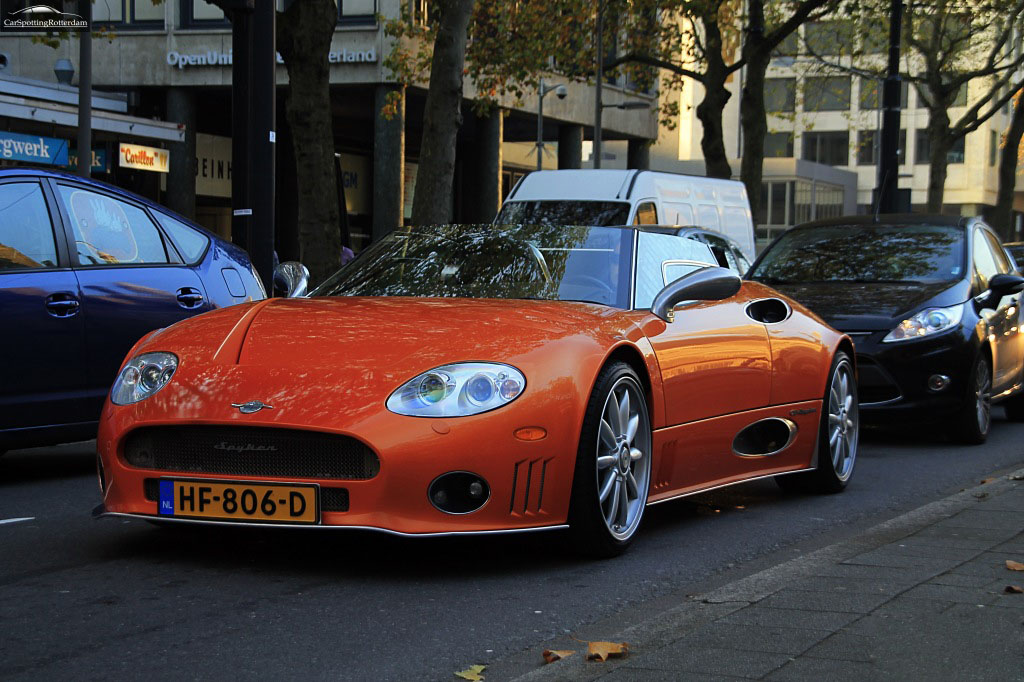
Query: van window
{"type": "Point", "coordinates": [646, 214]}
{"type": "Point", "coordinates": [594, 213]}
{"type": "Point", "coordinates": [678, 214]}
{"type": "Point", "coordinates": [707, 216]}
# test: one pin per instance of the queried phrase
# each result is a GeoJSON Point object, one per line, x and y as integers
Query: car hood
{"type": "Point", "coordinates": [864, 306]}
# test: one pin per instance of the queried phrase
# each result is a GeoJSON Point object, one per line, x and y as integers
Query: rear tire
{"type": "Point", "coordinates": [613, 465]}
{"type": "Point", "coordinates": [975, 418]}
{"type": "Point", "coordinates": [838, 435]}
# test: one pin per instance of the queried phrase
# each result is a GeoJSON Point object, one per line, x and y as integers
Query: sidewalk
{"type": "Point", "coordinates": [920, 597]}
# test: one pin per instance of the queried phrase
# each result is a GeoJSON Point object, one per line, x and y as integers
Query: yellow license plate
{"type": "Point", "coordinates": [239, 501]}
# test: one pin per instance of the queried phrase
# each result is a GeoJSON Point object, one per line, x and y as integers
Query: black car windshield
{"type": "Point", "coordinates": [564, 212]}
{"type": "Point", "coordinates": [865, 253]}
{"type": "Point", "coordinates": [545, 262]}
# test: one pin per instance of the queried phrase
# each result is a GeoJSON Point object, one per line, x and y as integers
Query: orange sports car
{"type": "Point", "coordinates": [483, 379]}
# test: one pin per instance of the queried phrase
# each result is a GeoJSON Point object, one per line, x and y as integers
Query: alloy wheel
{"type": "Point", "coordinates": [983, 397]}
{"type": "Point", "coordinates": [843, 421]}
{"type": "Point", "coordinates": [623, 458]}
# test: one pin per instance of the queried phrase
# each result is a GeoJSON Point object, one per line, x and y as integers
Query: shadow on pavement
{"type": "Point", "coordinates": [48, 463]}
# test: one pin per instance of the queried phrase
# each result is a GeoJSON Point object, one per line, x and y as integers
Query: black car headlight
{"type": "Point", "coordinates": [925, 323]}
{"type": "Point", "coordinates": [458, 390]}
{"type": "Point", "coordinates": [143, 376]}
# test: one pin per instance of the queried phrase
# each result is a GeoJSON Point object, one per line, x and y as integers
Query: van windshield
{"type": "Point", "coordinates": [564, 212]}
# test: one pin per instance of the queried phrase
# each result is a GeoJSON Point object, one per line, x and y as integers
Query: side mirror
{"type": "Point", "coordinates": [292, 277]}
{"type": "Point", "coordinates": [705, 284]}
{"type": "Point", "coordinates": [1006, 284]}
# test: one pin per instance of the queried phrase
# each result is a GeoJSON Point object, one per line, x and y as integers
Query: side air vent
{"type": "Point", "coordinates": [769, 311]}
{"type": "Point", "coordinates": [529, 477]}
{"type": "Point", "coordinates": [764, 438]}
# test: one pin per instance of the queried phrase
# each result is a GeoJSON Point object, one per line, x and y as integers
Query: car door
{"type": "Point", "coordinates": [43, 372]}
{"type": "Point", "coordinates": [1004, 322]}
{"type": "Point", "coordinates": [714, 359]}
{"type": "Point", "coordinates": [132, 281]}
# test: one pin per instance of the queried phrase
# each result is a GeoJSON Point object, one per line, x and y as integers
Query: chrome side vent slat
{"type": "Point", "coordinates": [529, 477]}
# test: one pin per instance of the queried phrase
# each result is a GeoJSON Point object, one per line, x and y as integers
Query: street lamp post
{"type": "Point", "coordinates": [598, 81]}
{"type": "Point", "coordinates": [542, 91]}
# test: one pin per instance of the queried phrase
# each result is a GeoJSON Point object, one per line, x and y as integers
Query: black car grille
{"type": "Point", "coordinates": [250, 451]}
{"type": "Point", "coordinates": [874, 384]}
{"type": "Point", "coordinates": [331, 499]}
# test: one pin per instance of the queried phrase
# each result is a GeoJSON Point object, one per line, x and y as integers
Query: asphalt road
{"type": "Point", "coordinates": [117, 599]}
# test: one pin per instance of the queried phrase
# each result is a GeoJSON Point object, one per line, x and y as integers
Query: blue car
{"type": "Point", "coordinates": [87, 269]}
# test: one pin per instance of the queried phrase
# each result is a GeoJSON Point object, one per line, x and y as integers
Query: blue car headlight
{"type": "Point", "coordinates": [458, 390]}
{"type": "Point", "coordinates": [143, 376]}
{"type": "Point", "coordinates": [928, 321]}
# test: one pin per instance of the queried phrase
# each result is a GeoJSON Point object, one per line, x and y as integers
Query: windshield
{"type": "Point", "coordinates": [865, 253]}
{"type": "Point", "coordinates": [555, 263]}
{"type": "Point", "coordinates": [564, 213]}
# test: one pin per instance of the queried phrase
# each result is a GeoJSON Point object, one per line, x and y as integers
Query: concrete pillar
{"type": "Point", "coordinates": [388, 162]}
{"type": "Point", "coordinates": [181, 176]}
{"type": "Point", "coordinates": [490, 131]}
{"type": "Point", "coordinates": [638, 154]}
{"type": "Point", "coordinates": [570, 146]}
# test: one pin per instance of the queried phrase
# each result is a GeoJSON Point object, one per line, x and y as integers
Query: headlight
{"type": "Point", "coordinates": [926, 322]}
{"type": "Point", "coordinates": [143, 376]}
{"type": "Point", "coordinates": [458, 390]}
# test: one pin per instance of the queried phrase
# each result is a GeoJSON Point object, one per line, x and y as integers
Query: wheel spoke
{"type": "Point", "coordinates": [836, 432]}
{"type": "Point", "coordinates": [632, 427]}
{"type": "Point", "coordinates": [607, 435]}
{"type": "Point", "coordinates": [631, 487]}
{"type": "Point", "coordinates": [613, 510]}
{"type": "Point", "coordinates": [606, 487]}
{"type": "Point", "coordinates": [834, 420]}
{"type": "Point", "coordinates": [624, 413]}
{"type": "Point", "coordinates": [611, 416]}
{"type": "Point", "coordinates": [623, 515]}
{"type": "Point", "coordinates": [605, 461]}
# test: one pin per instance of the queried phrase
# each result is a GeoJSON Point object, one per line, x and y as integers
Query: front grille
{"type": "Point", "coordinates": [331, 499]}
{"type": "Point", "coordinates": [250, 451]}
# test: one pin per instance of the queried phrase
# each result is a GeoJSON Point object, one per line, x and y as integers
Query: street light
{"type": "Point", "coordinates": [542, 90]}
{"type": "Point", "coordinates": [64, 71]}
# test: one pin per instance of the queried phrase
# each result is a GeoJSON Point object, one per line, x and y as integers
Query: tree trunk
{"type": "Point", "coordinates": [753, 120]}
{"type": "Point", "coordinates": [304, 35]}
{"type": "Point", "coordinates": [716, 96]}
{"type": "Point", "coordinates": [940, 142]}
{"type": "Point", "coordinates": [1000, 217]}
{"type": "Point", "coordinates": [442, 116]}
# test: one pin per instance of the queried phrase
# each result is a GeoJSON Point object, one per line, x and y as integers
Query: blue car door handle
{"type": "Point", "coordinates": [62, 305]}
{"type": "Point", "coordinates": [189, 297]}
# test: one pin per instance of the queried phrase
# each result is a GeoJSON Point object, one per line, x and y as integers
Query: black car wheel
{"type": "Point", "coordinates": [838, 435]}
{"type": "Point", "coordinates": [975, 417]}
{"type": "Point", "coordinates": [613, 465]}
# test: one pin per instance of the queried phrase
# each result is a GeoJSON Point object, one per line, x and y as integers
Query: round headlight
{"type": "Point", "coordinates": [143, 376]}
{"type": "Point", "coordinates": [458, 390]}
{"type": "Point", "coordinates": [480, 389]}
{"type": "Point", "coordinates": [433, 388]}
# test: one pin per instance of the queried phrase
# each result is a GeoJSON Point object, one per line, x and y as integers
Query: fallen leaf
{"type": "Point", "coordinates": [1014, 589]}
{"type": "Point", "coordinates": [550, 656]}
{"type": "Point", "coordinates": [602, 651]}
{"type": "Point", "coordinates": [1014, 565]}
{"type": "Point", "coordinates": [472, 673]}
{"type": "Point", "coordinates": [987, 480]}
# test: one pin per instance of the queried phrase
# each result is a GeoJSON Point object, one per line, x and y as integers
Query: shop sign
{"type": "Point", "coordinates": [213, 165]}
{"type": "Point", "coordinates": [184, 60]}
{"type": "Point", "coordinates": [34, 148]}
{"type": "Point", "coordinates": [99, 160]}
{"type": "Point", "coordinates": [144, 158]}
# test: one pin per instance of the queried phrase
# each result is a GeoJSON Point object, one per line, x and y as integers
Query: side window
{"type": "Point", "coordinates": [707, 216]}
{"type": "Point", "coordinates": [646, 214]}
{"type": "Point", "coordinates": [723, 254]}
{"type": "Point", "coordinates": [190, 242]}
{"type": "Point", "coordinates": [1002, 262]}
{"type": "Point", "coordinates": [985, 265]}
{"type": "Point", "coordinates": [678, 214]}
{"type": "Point", "coordinates": [741, 261]}
{"type": "Point", "coordinates": [663, 258]}
{"type": "Point", "coordinates": [109, 231]}
{"type": "Point", "coordinates": [26, 232]}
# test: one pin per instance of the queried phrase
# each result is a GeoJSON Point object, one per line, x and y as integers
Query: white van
{"type": "Point", "coordinates": [632, 197]}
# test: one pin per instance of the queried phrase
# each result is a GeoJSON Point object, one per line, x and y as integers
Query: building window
{"type": "Point", "coordinates": [831, 148]}
{"type": "Point", "coordinates": [779, 94]}
{"type": "Point", "coordinates": [827, 93]}
{"type": "Point", "coordinates": [828, 38]}
{"type": "Point", "coordinates": [959, 100]}
{"type": "Point", "coordinates": [128, 13]}
{"type": "Point", "coordinates": [993, 147]}
{"type": "Point", "coordinates": [199, 13]}
{"type": "Point", "coordinates": [869, 94]}
{"type": "Point", "coordinates": [778, 145]}
{"type": "Point", "coordinates": [869, 145]}
{"type": "Point", "coordinates": [357, 11]}
{"type": "Point", "coordinates": [789, 47]}
{"type": "Point", "coordinates": [922, 149]}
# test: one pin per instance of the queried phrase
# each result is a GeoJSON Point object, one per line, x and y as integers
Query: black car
{"type": "Point", "coordinates": [931, 302]}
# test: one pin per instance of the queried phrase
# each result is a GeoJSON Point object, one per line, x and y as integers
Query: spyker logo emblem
{"type": "Point", "coordinates": [807, 410]}
{"type": "Point", "coordinates": [252, 406]}
{"type": "Point", "coordinates": [248, 447]}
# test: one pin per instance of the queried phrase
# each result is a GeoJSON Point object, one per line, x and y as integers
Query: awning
{"type": "Point", "coordinates": [59, 114]}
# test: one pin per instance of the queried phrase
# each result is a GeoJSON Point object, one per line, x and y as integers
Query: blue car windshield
{"type": "Point", "coordinates": [545, 262]}
{"type": "Point", "coordinates": [865, 253]}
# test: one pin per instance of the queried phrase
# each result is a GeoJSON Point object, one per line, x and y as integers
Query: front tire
{"type": "Point", "coordinates": [838, 435]}
{"type": "Point", "coordinates": [613, 465]}
{"type": "Point", "coordinates": [975, 418]}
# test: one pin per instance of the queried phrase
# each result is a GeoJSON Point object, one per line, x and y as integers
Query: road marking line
{"type": "Point", "coordinates": [17, 520]}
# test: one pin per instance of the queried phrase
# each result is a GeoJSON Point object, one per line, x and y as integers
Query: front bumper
{"type": "Point", "coordinates": [893, 377]}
